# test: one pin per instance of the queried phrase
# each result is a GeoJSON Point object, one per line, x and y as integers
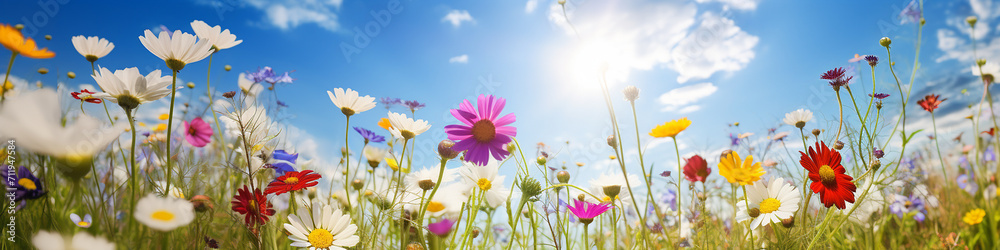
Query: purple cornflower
{"type": "Point", "coordinates": [388, 102]}
{"type": "Point", "coordinates": [733, 140]}
{"type": "Point", "coordinates": [910, 14]}
{"type": "Point", "coordinates": [283, 78]}
{"type": "Point", "coordinates": [441, 228]}
{"type": "Point", "coordinates": [872, 60]}
{"type": "Point", "coordinates": [879, 96]}
{"type": "Point", "coordinates": [260, 75]}
{"type": "Point", "coordinates": [586, 211]}
{"type": "Point", "coordinates": [878, 153]}
{"type": "Point", "coordinates": [665, 173]}
{"type": "Point", "coordinates": [836, 77]}
{"type": "Point", "coordinates": [965, 183]}
{"type": "Point", "coordinates": [905, 205]}
{"type": "Point", "coordinates": [26, 186]}
{"type": "Point", "coordinates": [369, 135]}
{"type": "Point", "coordinates": [413, 105]}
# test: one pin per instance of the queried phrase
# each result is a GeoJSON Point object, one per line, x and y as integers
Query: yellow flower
{"type": "Point", "coordinates": [671, 128]}
{"type": "Point", "coordinates": [392, 163]}
{"type": "Point", "coordinates": [160, 127]}
{"type": "Point", "coordinates": [13, 40]}
{"type": "Point", "coordinates": [746, 174]}
{"type": "Point", "coordinates": [163, 116]}
{"type": "Point", "coordinates": [974, 217]}
{"type": "Point", "coordinates": [384, 123]}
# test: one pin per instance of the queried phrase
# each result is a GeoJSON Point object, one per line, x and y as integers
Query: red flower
{"type": "Point", "coordinates": [827, 175]}
{"type": "Point", "coordinates": [292, 181]}
{"type": "Point", "coordinates": [990, 132]}
{"type": "Point", "coordinates": [931, 102]}
{"type": "Point", "coordinates": [696, 169]}
{"type": "Point", "coordinates": [253, 205]}
{"type": "Point", "coordinates": [86, 96]}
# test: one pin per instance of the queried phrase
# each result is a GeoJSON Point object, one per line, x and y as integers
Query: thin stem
{"type": "Point", "coordinates": [3, 95]}
{"type": "Point", "coordinates": [944, 170]}
{"type": "Point", "coordinates": [347, 162]}
{"type": "Point", "coordinates": [170, 126]}
{"type": "Point", "coordinates": [746, 201]}
{"type": "Point", "coordinates": [677, 151]}
{"type": "Point", "coordinates": [840, 105]}
{"type": "Point", "coordinates": [134, 178]}
{"type": "Point", "coordinates": [208, 91]}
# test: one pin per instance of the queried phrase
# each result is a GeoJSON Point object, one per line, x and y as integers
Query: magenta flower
{"type": "Point", "coordinates": [197, 132]}
{"type": "Point", "coordinates": [483, 134]}
{"type": "Point", "coordinates": [586, 211]}
{"type": "Point", "coordinates": [441, 228]}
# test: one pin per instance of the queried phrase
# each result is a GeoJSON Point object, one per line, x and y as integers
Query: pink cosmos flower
{"type": "Point", "coordinates": [482, 134]}
{"type": "Point", "coordinates": [586, 211]}
{"type": "Point", "coordinates": [441, 228]}
{"type": "Point", "coordinates": [197, 132]}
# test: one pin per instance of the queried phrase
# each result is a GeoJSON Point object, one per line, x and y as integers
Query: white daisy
{"type": "Point", "coordinates": [772, 202]}
{"type": "Point", "coordinates": [176, 50]}
{"type": "Point", "coordinates": [870, 205]}
{"type": "Point", "coordinates": [798, 118]}
{"type": "Point", "coordinates": [175, 192]}
{"type": "Point", "coordinates": [485, 179]}
{"type": "Point", "coordinates": [35, 121]}
{"type": "Point", "coordinates": [606, 185]}
{"type": "Point", "coordinates": [429, 174]}
{"type": "Point", "coordinates": [250, 125]}
{"type": "Point", "coordinates": [84, 222]}
{"type": "Point", "coordinates": [92, 47]}
{"type": "Point", "coordinates": [406, 128]}
{"type": "Point", "coordinates": [319, 226]}
{"type": "Point", "coordinates": [46, 240]}
{"type": "Point", "coordinates": [374, 155]}
{"type": "Point", "coordinates": [164, 214]}
{"type": "Point", "coordinates": [219, 38]}
{"type": "Point", "coordinates": [447, 201]}
{"type": "Point", "coordinates": [350, 102]}
{"type": "Point", "coordinates": [129, 88]}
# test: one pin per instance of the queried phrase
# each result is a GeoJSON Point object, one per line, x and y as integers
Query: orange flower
{"type": "Point", "coordinates": [931, 102]}
{"type": "Point", "coordinates": [13, 40]}
{"type": "Point", "coordinates": [384, 123]}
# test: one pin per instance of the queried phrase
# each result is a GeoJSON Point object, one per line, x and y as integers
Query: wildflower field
{"type": "Point", "coordinates": [188, 138]}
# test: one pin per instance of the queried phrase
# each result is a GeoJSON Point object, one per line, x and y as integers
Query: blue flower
{"type": "Point", "coordinates": [910, 14]}
{"type": "Point", "coordinates": [964, 182]}
{"type": "Point", "coordinates": [413, 105]}
{"type": "Point", "coordinates": [261, 75]}
{"type": "Point", "coordinates": [369, 135]}
{"type": "Point", "coordinates": [282, 161]}
{"type": "Point", "coordinates": [283, 78]}
{"type": "Point", "coordinates": [905, 205]}
{"type": "Point", "coordinates": [388, 102]}
{"type": "Point", "coordinates": [26, 186]}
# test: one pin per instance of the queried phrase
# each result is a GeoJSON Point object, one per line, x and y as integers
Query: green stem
{"type": "Point", "coordinates": [347, 162]}
{"type": "Point", "coordinates": [746, 201]}
{"type": "Point", "coordinates": [134, 178]}
{"type": "Point", "coordinates": [170, 128]}
{"type": "Point", "coordinates": [944, 170]}
{"type": "Point", "coordinates": [677, 151]}
{"type": "Point", "coordinates": [586, 237]}
{"type": "Point", "coordinates": [208, 91]}
{"type": "Point", "coordinates": [3, 90]}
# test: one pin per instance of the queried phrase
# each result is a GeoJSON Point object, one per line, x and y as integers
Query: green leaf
{"type": "Point", "coordinates": [906, 139]}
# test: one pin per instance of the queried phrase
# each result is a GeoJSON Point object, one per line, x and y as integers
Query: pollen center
{"type": "Point", "coordinates": [291, 180]}
{"type": "Point", "coordinates": [191, 130]}
{"type": "Point", "coordinates": [27, 183]}
{"type": "Point", "coordinates": [484, 131]}
{"type": "Point", "coordinates": [484, 184]}
{"type": "Point", "coordinates": [163, 215]}
{"type": "Point", "coordinates": [769, 205]}
{"type": "Point", "coordinates": [827, 175]}
{"type": "Point", "coordinates": [83, 224]}
{"type": "Point", "coordinates": [320, 238]}
{"type": "Point", "coordinates": [434, 207]}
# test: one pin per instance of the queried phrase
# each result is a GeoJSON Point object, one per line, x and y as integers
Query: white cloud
{"type": "Point", "coordinates": [459, 59]}
{"type": "Point", "coordinates": [737, 4]}
{"type": "Point", "coordinates": [679, 99]}
{"type": "Point", "coordinates": [287, 14]}
{"type": "Point", "coordinates": [456, 17]}
{"type": "Point", "coordinates": [530, 6]}
{"type": "Point", "coordinates": [984, 9]}
{"type": "Point", "coordinates": [641, 35]}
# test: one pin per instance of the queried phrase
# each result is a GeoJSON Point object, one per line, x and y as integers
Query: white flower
{"type": "Point", "coordinates": [92, 48]}
{"type": "Point", "coordinates": [870, 205]}
{"type": "Point", "coordinates": [129, 88]}
{"type": "Point", "coordinates": [178, 49]}
{"type": "Point", "coordinates": [447, 201]}
{"type": "Point", "coordinates": [250, 125]}
{"type": "Point", "coordinates": [219, 38]}
{"type": "Point", "coordinates": [164, 214]}
{"type": "Point", "coordinates": [349, 102]}
{"type": "Point", "coordinates": [774, 202]}
{"type": "Point", "coordinates": [249, 88]}
{"type": "Point", "coordinates": [485, 179]}
{"type": "Point", "coordinates": [175, 192]}
{"type": "Point", "coordinates": [990, 192]}
{"type": "Point", "coordinates": [430, 174]}
{"type": "Point", "coordinates": [84, 222]}
{"type": "Point", "coordinates": [406, 128]}
{"type": "Point", "coordinates": [35, 121]}
{"type": "Point", "coordinates": [321, 227]}
{"type": "Point", "coordinates": [988, 68]}
{"type": "Point", "coordinates": [631, 93]}
{"type": "Point", "coordinates": [606, 183]}
{"type": "Point", "coordinates": [46, 240]}
{"type": "Point", "coordinates": [798, 118]}
{"type": "Point", "coordinates": [374, 155]}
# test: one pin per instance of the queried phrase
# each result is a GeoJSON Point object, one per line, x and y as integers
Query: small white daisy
{"type": "Point", "coordinates": [798, 118]}
{"type": "Point", "coordinates": [219, 38]}
{"type": "Point", "coordinates": [771, 202]}
{"type": "Point", "coordinates": [176, 50]}
{"type": "Point", "coordinates": [92, 48]}
{"type": "Point", "coordinates": [406, 128]}
{"type": "Point", "coordinates": [350, 102]}
{"type": "Point", "coordinates": [164, 214]}
{"type": "Point", "coordinates": [430, 174]}
{"type": "Point", "coordinates": [129, 88]}
{"type": "Point", "coordinates": [320, 226]}
{"type": "Point", "coordinates": [485, 179]}
{"type": "Point", "coordinates": [46, 240]}
{"type": "Point", "coordinates": [606, 185]}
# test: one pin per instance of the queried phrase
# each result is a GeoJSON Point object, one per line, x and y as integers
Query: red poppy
{"type": "Point", "coordinates": [827, 175]}
{"type": "Point", "coordinates": [253, 205]}
{"type": "Point", "coordinates": [696, 169]}
{"type": "Point", "coordinates": [990, 132]}
{"type": "Point", "coordinates": [931, 102]}
{"type": "Point", "coordinates": [86, 96]}
{"type": "Point", "coordinates": [292, 181]}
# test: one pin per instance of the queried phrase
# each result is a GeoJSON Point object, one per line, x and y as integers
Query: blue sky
{"type": "Point", "coordinates": [751, 61]}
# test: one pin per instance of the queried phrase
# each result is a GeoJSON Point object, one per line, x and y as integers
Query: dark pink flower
{"type": "Point", "coordinates": [587, 211]}
{"type": "Point", "coordinates": [197, 132]}
{"type": "Point", "coordinates": [441, 228]}
{"type": "Point", "coordinates": [483, 134]}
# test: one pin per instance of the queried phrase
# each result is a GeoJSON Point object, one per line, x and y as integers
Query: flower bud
{"type": "Point", "coordinates": [190, 85]}
{"type": "Point", "coordinates": [48, 37]}
{"type": "Point", "coordinates": [475, 232]}
{"type": "Point", "coordinates": [228, 67]}
{"type": "Point", "coordinates": [201, 203]}
{"type": "Point", "coordinates": [312, 192]}
{"type": "Point", "coordinates": [816, 132]}
{"type": "Point", "coordinates": [71, 75]}
{"type": "Point", "coordinates": [788, 222]}
{"type": "Point", "coordinates": [838, 145]}
{"type": "Point", "coordinates": [530, 188]}
{"type": "Point", "coordinates": [612, 191]}
{"type": "Point", "coordinates": [19, 27]}
{"type": "Point", "coordinates": [425, 184]}
{"type": "Point", "coordinates": [876, 164]}
{"type": "Point", "coordinates": [631, 93]}
{"type": "Point", "coordinates": [511, 147]}
{"type": "Point", "coordinates": [701, 196]}
{"type": "Point", "coordinates": [612, 142]}
{"type": "Point", "coordinates": [357, 184]}
{"type": "Point", "coordinates": [229, 94]}
{"type": "Point", "coordinates": [980, 62]}
{"type": "Point", "coordinates": [445, 151]}
{"type": "Point", "coordinates": [541, 160]}
{"type": "Point", "coordinates": [414, 246]}
{"type": "Point", "coordinates": [885, 42]}
{"type": "Point", "coordinates": [725, 154]}
{"type": "Point", "coordinates": [988, 78]}
{"type": "Point", "coordinates": [43, 71]}
{"type": "Point", "coordinates": [753, 212]}
{"type": "Point", "coordinates": [561, 2]}
{"type": "Point", "coordinates": [562, 176]}
{"type": "Point", "coordinates": [972, 21]}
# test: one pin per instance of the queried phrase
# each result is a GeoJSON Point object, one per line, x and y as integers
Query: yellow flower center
{"type": "Point", "coordinates": [163, 215]}
{"type": "Point", "coordinates": [606, 199]}
{"type": "Point", "coordinates": [908, 204]}
{"type": "Point", "coordinates": [320, 238]}
{"type": "Point", "coordinates": [484, 131]}
{"type": "Point", "coordinates": [827, 175]}
{"type": "Point", "coordinates": [434, 207]}
{"type": "Point", "coordinates": [484, 184]}
{"type": "Point", "coordinates": [83, 224]}
{"type": "Point", "coordinates": [769, 205]}
{"type": "Point", "coordinates": [27, 183]}
{"type": "Point", "coordinates": [291, 180]}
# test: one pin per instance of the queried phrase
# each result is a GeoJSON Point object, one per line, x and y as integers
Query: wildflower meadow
{"type": "Point", "coordinates": [203, 132]}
